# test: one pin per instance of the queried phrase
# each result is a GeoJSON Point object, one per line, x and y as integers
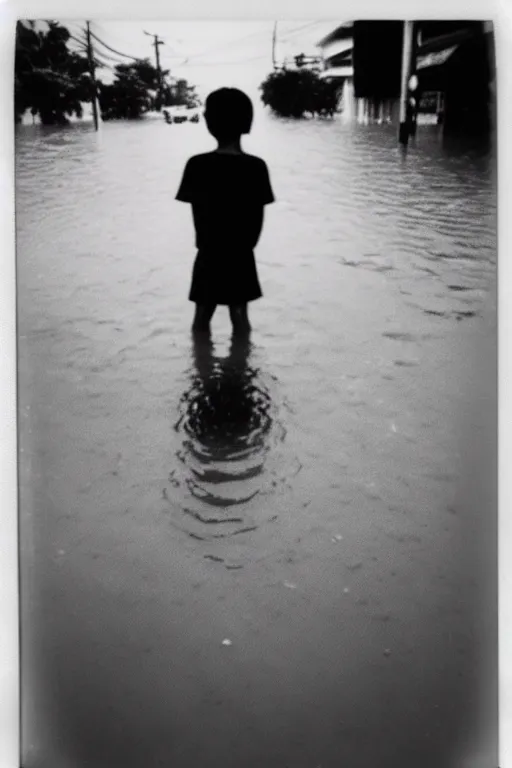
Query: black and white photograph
{"type": "Point", "coordinates": [256, 329]}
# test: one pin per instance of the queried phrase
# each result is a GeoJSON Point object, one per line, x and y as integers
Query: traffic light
{"type": "Point", "coordinates": [412, 104]}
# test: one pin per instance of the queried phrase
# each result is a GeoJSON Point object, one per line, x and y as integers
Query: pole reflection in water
{"type": "Point", "coordinates": [229, 426]}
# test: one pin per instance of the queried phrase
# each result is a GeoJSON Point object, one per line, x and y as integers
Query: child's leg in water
{"type": "Point", "coordinates": [202, 317]}
{"type": "Point", "coordinates": [239, 318]}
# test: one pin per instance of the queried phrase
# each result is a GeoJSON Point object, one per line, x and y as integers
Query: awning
{"type": "Point", "coordinates": [337, 72]}
{"type": "Point", "coordinates": [337, 47]}
{"type": "Point", "coordinates": [435, 59]}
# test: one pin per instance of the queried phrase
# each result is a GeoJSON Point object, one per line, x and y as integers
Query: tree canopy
{"type": "Point", "coordinates": [53, 82]}
{"type": "Point", "coordinates": [180, 93]}
{"type": "Point", "coordinates": [297, 92]}
{"type": "Point", "coordinates": [138, 88]}
{"type": "Point", "coordinates": [130, 95]}
{"type": "Point", "coordinates": [50, 80]}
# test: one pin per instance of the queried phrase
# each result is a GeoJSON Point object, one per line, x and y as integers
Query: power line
{"type": "Point", "coordinates": [233, 62]}
{"type": "Point", "coordinates": [107, 35]}
{"type": "Point", "coordinates": [80, 42]}
{"type": "Point", "coordinates": [75, 24]}
{"type": "Point", "coordinates": [104, 58]}
{"type": "Point", "coordinates": [101, 63]}
{"type": "Point", "coordinates": [223, 46]}
{"type": "Point", "coordinates": [216, 47]}
{"type": "Point", "coordinates": [77, 29]}
{"type": "Point", "coordinates": [310, 24]}
{"type": "Point", "coordinates": [237, 41]}
{"type": "Point", "coordinates": [126, 55]}
{"type": "Point", "coordinates": [111, 58]}
{"type": "Point", "coordinates": [192, 60]}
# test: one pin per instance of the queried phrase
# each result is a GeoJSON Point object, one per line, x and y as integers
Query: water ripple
{"type": "Point", "coordinates": [364, 240]}
{"type": "Point", "coordinates": [231, 443]}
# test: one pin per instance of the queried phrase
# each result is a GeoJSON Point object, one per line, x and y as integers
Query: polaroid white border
{"type": "Point", "coordinates": [501, 14]}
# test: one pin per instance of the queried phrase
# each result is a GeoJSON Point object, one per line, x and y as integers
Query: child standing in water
{"type": "Point", "coordinates": [228, 190]}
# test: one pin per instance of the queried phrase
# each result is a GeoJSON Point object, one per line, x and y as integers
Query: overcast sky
{"type": "Point", "coordinates": [208, 54]}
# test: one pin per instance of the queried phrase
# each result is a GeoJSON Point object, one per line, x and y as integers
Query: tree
{"type": "Point", "coordinates": [53, 82]}
{"type": "Point", "coordinates": [49, 79]}
{"type": "Point", "coordinates": [180, 94]}
{"type": "Point", "coordinates": [295, 93]}
{"type": "Point", "coordinates": [138, 87]}
{"type": "Point", "coordinates": [130, 95]}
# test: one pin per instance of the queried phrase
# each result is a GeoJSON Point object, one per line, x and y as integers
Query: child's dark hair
{"type": "Point", "coordinates": [228, 113]}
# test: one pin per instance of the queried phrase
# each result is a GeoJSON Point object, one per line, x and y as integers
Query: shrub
{"type": "Point", "coordinates": [295, 93]}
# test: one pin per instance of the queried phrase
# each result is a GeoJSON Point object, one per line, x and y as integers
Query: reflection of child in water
{"type": "Point", "coordinates": [222, 407]}
{"type": "Point", "coordinates": [228, 190]}
{"type": "Point", "coordinates": [212, 370]}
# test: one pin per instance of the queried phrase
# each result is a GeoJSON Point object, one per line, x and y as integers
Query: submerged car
{"type": "Point", "coordinates": [180, 115]}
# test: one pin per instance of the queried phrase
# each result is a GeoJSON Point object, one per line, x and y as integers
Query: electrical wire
{"type": "Point", "coordinates": [195, 59]}
{"type": "Point", "coordinates": [289, 39]}
{"type": "Point", "coordinates": [225, 63]}
{"type": "Point", "coordinates": [100, 63]}
{"type": "Point", "coordinates": [103, 59]}
{"type": "Point", "coordinates": [186, 60]}
{"type": "Point", "coordinates": [183, 56]}
{"type": "Point", "coordinates": [101, 32]}
{"type": "Point", "coordinates": [83, 43]}
{"type": "Point", "coordinates": [111, 58]}
{"type": "Point", "coordinates": [77, 29]}
{"type": "Point", "coordinates": [99, 60]}
{"type": "Point", "coordinates": [77, 40]}
{"type": "Point", "coordinates": [223, 46]}
{"type": "Point", "coordinates": [295, 32]}
{"type": "Point", "coordinates": [127, 56]}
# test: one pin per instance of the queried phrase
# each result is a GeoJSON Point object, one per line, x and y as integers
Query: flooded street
{"type": "Point", "coordinates": [321, 497]}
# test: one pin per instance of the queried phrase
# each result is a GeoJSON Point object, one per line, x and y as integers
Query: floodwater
{"type": "Point", "coordinates": [278, 553]}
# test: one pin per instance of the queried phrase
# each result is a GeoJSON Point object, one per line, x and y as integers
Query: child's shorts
{"type": "Point", "coordinates": [224, 278]}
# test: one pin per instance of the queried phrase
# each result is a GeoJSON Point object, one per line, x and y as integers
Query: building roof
{"type": "Point", "coordinates": [341, 32]}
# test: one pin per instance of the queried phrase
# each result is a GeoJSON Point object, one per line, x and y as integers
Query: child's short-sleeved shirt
{"type": "Point", "coordinates": [227, 193]}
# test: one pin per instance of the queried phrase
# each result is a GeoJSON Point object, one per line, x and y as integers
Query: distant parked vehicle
{"type": "Point", "coordinates": [180, 114]}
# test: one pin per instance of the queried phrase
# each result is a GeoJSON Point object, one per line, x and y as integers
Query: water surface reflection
{"type": "Point", "coordinates": [228, 426]}
{"type": "Point", "coordinates": [227, 407]}
{"type": "Point", "coordinates": [378, 275]}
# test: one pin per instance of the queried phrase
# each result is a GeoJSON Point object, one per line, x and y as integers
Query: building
{"type": "Point", "coordinates": [365, 58]}
{"type": "Point", "coordinates": [456, 73]}
{"type": "Point", "coordinates": [452, 59]}
{"type": "Point", "coordinates": [336, 50]}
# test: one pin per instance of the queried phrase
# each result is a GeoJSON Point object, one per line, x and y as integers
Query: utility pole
{"type": "Point", "coordinates": [157, 43]}
{"type": "Point", "coordinates": [274, 38]}
{"type": "Point", "coordinates": [407, 53]}
{"type": "Point", "coordinates": [92, 70]}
